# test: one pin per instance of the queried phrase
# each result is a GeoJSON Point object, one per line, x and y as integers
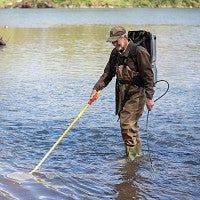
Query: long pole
{"type": "Point", "coordinates": [65, 133]}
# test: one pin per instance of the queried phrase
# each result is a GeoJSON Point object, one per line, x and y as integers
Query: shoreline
{"type": "Point", "coordinates": [50, 4]}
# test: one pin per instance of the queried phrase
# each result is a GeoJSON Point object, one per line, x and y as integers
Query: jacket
{"type": "Point", "coordinates": [141, 64]}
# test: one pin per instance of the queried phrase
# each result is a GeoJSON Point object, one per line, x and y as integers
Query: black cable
{"type": "Point", "coordinates": [147, 121]}
{"type": "Point", "coordinates": [164, 92]}
{"type": "Point", "coordinates": [148, 141]}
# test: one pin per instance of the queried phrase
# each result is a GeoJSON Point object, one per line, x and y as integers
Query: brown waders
{"type": "Point", "coordinates": [131, 101]}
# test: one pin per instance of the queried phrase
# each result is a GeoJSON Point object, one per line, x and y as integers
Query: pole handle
{"type": "Point", "coordinates": [94, 97]}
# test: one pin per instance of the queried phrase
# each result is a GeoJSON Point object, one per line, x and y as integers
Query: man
{"type": "Point", "coordinates": [134, 86]}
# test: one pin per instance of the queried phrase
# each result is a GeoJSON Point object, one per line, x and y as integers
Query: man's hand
{"type": "Point", "coordinates": [94, 96]}
{"type": "Point", "coordinates": [149, 104]}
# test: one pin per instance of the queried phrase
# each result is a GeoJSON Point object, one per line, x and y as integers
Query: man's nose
{"type": "Point", "coordinates": [114, 43]}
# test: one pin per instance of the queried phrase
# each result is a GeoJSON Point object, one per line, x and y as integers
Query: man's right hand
{"type": "Point", "coordinates": [94, 96]}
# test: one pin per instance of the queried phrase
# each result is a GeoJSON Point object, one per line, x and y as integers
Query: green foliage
{"type": "Point", "coordinates": [118, 3]}
{"type": "Point", "coordinates": [132, 3]}
{"type": "Point", "coordinates": [3, 2]}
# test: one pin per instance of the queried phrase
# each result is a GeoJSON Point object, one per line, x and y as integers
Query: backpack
{"type": "Point", "coordinates": [148, 41]}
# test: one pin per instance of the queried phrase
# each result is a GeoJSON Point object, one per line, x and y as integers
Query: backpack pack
{"type": "Point", "coordinates": [148, 41]}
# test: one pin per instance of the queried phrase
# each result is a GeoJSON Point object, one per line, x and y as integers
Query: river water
{"type": "Point", "coordinates": [52, 60]}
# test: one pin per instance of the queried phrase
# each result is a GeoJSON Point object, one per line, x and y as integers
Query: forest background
{"type": "Point", "coordinates": [98, 3]}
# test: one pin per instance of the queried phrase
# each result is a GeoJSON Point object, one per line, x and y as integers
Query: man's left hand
{"type": "Point", "coordinates": [149, 104]}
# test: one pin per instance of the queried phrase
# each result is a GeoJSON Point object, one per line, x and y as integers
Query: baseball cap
{"type": "Point", "coordinates": [115, 33]}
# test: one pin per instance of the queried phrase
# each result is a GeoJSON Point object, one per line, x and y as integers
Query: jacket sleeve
{"type": "Point", "coordinates": [108, 74]}
{"type": "Point", "coordinates": [145, 69]}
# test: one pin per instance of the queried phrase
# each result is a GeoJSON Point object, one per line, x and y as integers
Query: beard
{"type": "Point", "coordinates": [119, 48]}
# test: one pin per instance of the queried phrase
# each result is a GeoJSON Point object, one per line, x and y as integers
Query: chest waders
{"type": "Point", "coordinates": [129, 106]}
{"type": "Point", "coordinates": [126, 77]}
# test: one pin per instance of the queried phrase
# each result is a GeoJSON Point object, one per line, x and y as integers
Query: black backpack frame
{"type": "Point", "coordinates": [148, 41]}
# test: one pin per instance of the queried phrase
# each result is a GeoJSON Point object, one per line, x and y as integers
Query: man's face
{"type": "Point", "coordinates": [119, 44]}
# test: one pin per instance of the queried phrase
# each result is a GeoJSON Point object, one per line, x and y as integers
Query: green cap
{"type": "Point", "coordinates": [115, 33]}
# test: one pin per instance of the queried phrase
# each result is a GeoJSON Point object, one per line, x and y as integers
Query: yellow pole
{"type": "Point", "coordinates": [65, 133]}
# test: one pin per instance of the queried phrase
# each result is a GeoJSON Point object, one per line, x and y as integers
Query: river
{"type": "Point", "coordinates": [52, 59]}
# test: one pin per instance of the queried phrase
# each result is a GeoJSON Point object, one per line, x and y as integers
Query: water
{"type": "Point", "coordinates": [52, 59]}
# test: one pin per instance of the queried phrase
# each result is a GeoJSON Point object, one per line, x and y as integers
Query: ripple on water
{"type": "Point", "coordinates": [45, 85]}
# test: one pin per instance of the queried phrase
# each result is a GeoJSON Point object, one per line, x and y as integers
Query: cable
{"type": "Point", "coordinates": [147, 120]}
{"type": "Point", "coordinates": [165, 91]}
{"type": "Point", "coordinates": [148, 141]}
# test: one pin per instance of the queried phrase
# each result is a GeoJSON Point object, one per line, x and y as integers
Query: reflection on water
{"type": "Point", "coordinates": [46, 78]}
{"type": "Point", "coordinates": [129, 175]}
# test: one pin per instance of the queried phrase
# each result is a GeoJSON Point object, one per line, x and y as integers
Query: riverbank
{"type": "Point", "coordinates": [94, 4]}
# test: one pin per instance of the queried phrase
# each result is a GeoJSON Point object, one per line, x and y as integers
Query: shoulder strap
{"type": "Point", "coordinates": [133, 51]}
{"type": "Point", "coordinates": [114, 55]}
{"type": "Point", "coordinates": [113, 60]}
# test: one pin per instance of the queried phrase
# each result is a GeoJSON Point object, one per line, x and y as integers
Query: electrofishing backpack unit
{"type": "Point", "coordinates": [148, 41]}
